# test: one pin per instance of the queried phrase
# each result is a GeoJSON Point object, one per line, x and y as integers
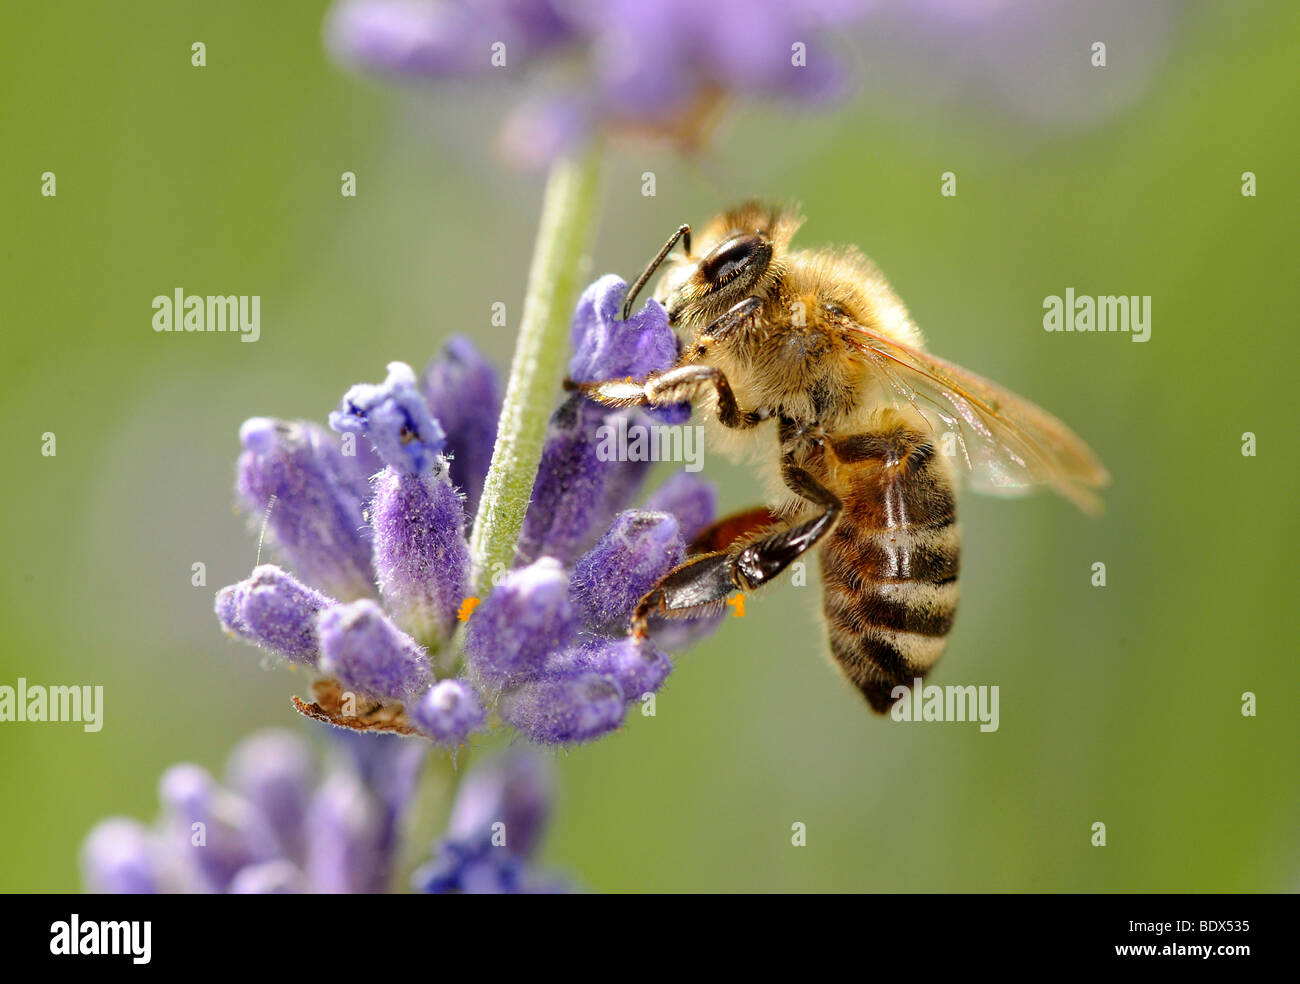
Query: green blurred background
{"type": "Point", "coordinates": [1119, 704]}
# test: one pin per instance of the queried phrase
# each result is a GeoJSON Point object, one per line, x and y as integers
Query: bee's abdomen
{"type": "Point", "coordinates": [889, 573]}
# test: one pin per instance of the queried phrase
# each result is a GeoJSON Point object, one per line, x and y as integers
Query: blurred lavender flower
{"type": "Point", "coordinates": [650, 67]}
{"type": "Point", "coordinates": [280, 825]}
{"type": "Point", "coordinates": [546, 649]}
{"type": "Point", "coordinates": [275, 826]}
{"type": "Point", "coordinates": [494, 831]}
{"type": "Point", "coordinates": [1035, 61]}
{"type": "Point", "coordinates": [663, 68]}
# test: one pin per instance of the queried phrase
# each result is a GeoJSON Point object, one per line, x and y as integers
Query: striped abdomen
{"type": "Point", "coordinates": [889, 566]}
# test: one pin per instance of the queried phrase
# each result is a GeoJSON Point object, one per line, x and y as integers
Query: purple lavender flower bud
{"type": "Point", "coordinates": [346, 831]}
{"type": "Point", "coordinates": [449, 712]}
{"type": "Point", "coordinates": [514, 789]}
{"type": "Point", "coordinates": [368, 653]}
{"type": "Point", "coordinates": [636, 667]}
{"type": "Point", "coordinates": [119, 857]}
{"type": "Point", "coordinates": [274, 610]}
{"type": "Point", "coordinates": [525, 617]}
{"type": "Point", "coordinates": [606, 348]}
{"type": "Point", "coordinates": [221, 832]}
{"type": "Point", "coordinates": [279, 877]}
{"type": "Point", "coordinates": [565, 710]}
{"type": "Point", "coordinates": [571, 489]}
{"type": "Point", "coordinates": [461, 389]}
{"type": "Point", "coordinates": [395, 417]}
{"type": "Point", "coordinates": [228, 603]}
{"type": "Point", "coordinates": [275, 771]}
{"type": "Point", "coordinates": [610, 579]}
{"type": "Point", "coordinates": [689, 498]}
{"type": "Point", "coordinates": [316, 518]}
{"type": "Point", "coordinates": [421, 556]}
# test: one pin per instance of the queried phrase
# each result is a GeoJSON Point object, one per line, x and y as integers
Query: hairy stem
{"type": "Point", "coordinates": [540, 352]}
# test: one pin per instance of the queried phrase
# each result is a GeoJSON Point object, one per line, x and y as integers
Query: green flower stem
{"type": "Point", "coordinates": [540, 352]}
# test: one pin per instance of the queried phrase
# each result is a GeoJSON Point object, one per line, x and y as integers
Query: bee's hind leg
{"type": "Point", "coordinates": [701, 585]}
{"type": "Point", "coordinates": [730, 530]}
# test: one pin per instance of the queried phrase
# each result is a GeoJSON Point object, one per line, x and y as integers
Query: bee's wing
{"type": "Point", "coordinates": [1008, 444]}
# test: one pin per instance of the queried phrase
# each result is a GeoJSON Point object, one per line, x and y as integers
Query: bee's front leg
{"type": "Point", "coordinates": [612, 392]}
{"type": "Point", "coordinates": [685, 381]}
{"type": "Point", "coordinates": [681, 384]}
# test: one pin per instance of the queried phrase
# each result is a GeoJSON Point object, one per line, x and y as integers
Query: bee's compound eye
{"type": "Point", "coordinates": [728, 258]}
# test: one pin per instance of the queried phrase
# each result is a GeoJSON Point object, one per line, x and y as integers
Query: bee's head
{"type": "Point", "coordinates": [736, 256]}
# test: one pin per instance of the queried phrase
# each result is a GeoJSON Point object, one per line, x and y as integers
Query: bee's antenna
{"type": "Point", "coordinates": [684, 234]}
{"type": "Point", "coordinates": [262, 536]}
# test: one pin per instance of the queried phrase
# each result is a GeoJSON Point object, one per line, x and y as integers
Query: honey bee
{"type": "Point", "coordinates": [809, 359]}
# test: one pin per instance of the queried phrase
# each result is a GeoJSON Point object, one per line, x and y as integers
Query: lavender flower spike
{"type": "Point", "coordinates": [368, 653]}
{"type": "Point", "coordinates": [316, 517]}
{"type": "Point", "coordinates": [273, 610]}
{"type": "Point", "coordinates": [421, 555]}
{"type": "Point", "coordinates": [547, 648]}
